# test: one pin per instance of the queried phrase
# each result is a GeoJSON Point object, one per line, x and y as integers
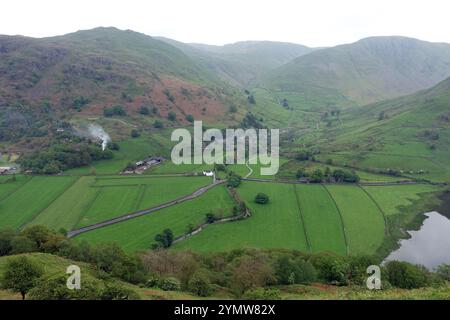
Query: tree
{"type": "Point", "coordinates": [158, 124]}
{"type": "Point", "coordinates": [135, 133]}
{"type": "Point", "coordinates": [444, 271]}
{"type": "Point", "coordinates": [251, 99]}
{"type": "Point", "coordinates": [144, 110]}
{"type": "Point", "coordinates": [22, 244]}
{"type": "Point", "coordinates": [210, 218]}
{"type": "Point", "coordinates": [172, 116]}
{"type": "Point", "coordinates": [301, 173]}
{"type": "Point", "coordinates": [200, 284]}
{"type": "Point", "coordinates": [405, 275]}
{"type": "Point", "coordinates": [165, 239]}
{"type": "Point", "coordinates": [262, 198]}
{"type": "Point", "coordinates": [190, 118]}
{"type": "Point", "coordinates": [20, 275]}
{"type": "Point", "coordinates": [6, 236]}
{"type": "Point", "coordinates": [317, 176]}
{"type": "Point", "coordinates": [234, 180]}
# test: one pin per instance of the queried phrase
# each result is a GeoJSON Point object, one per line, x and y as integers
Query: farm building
{"type": "Point", "coordinates": [208, 173]}
{"type": "Point", "coordinates": [7, 170]}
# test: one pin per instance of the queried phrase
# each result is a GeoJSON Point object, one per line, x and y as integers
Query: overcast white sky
{"type": "Point", "coordinates": [313, 22]}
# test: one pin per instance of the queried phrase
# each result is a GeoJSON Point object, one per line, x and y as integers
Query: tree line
{"type": "Point", "coordinates": [245, 273]}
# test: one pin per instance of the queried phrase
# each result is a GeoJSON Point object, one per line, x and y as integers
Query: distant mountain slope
{"type": "Point", "coordinates": [409, 134]}
{"type": "Point", "coordinates": [242, 62]}
{"type": "Point", "coordinates": [369, 70]}
{"type": "Point", "coordinates": [86, 71]}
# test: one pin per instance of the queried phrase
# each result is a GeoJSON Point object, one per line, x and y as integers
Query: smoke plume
{"type": "Point", "coordinates": [97, 132]}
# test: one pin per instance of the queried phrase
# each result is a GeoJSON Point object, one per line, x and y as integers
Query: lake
{"type": "Point", "coordinates": [430, 246]}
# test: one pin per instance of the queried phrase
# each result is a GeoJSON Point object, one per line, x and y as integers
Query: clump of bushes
{"type": "Point", "coordinates": [170, 284]}
{"type": "Point", "coordinates": [262, 198]}
{"type": "Point", "coordinates": [234, 180]}
{"type": "Point", "coordinates": [114, 111]}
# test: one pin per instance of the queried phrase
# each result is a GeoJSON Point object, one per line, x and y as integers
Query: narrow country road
{"type": "Point", "coordinates": [136, 214]}
{"type": "Point", "coordinates": [250, 170]}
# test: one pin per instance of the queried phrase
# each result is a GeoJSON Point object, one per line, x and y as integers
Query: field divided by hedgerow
{"type": "Point", "coordinates": [9, 184]}
{"type": "Point", "coordinates": [25, 203]}
{"type": "Point", "coordinates": [363, 221]}
{"type": "Point", "coordinates": [94, 199]}
{"type": "Point", "coordinates": [322, 219]}
{"type": "Point", "coordinates": [277, 224]}
{"type": "Point", "coordinates": [139, 233]}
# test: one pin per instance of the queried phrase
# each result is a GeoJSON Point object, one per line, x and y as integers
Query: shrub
{"type": "Point", "coordinates": [262, 198]}
{"type": "Point", "coordinates": [164, 239]}
{"type": "Point", "coordinates": [200, 285]}
{"type": "Point", "coordinates": [190, 118]}
{"type": "Point", "coordinates": [332, 269]}
{"type": "Point", "coordinates": [405, 275]}
{"type": "Point", "coordinates": [152, 282]}
{"type": "Point", "coordinates": [288, 271]}
{"type": "Point", "coordinates": [210, 218]}
{"type": "Point", "coordinates": [444, 271]}
{"type": "Point", "coordinates": [262, 294]}
{"type": "Point", "coordinates": [170, 284]}
{"type": "Point", "coordinates": [114, 111]}
{"type": "Point", "coordinates": [172, 116]}
{"type": "Point", "coordinates": [135, 133]}
{"type": "Point", "coordinates": [158, 124]}
{"type": "Point", "coordinates": [144, 110]}
{"type": "Point", "coordinates": [234, 180]}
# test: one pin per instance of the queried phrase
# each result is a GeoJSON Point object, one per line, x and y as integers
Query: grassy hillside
{"type": "Point", "coordinates": [45, 80]}
{"type": "Point", "coordinates": [409, 134]}
{"type": "Point", "coordinates": [369, 70]}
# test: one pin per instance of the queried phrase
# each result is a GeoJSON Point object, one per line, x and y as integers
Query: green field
{"type": "Point", "coordinates": [94, 199]}
{"type": "Point", "coordinates": [139, 233]}
{"type": "Point", "coordinates": [36, 194]}
{"type": "Point", "coordinates": [275, 225]}
{"type": "Point", "coordinates": [392, 198]}
{"type": "Point", "coordinates": [363, 221]}
{"type": "Point", "coordinates": [322, 219]}
{"type": "Point", "coordinates": [9, 186]}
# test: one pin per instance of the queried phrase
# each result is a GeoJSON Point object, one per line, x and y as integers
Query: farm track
{"type": "Point", "coordinates": [140, 213]}
{"type": "Point", "coordinates": [249, 169]}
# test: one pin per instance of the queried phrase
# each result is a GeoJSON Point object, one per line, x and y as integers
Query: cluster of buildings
{"type": "Point", "coordinates": [7, 170]}
{"type": "Point", "coordinates": [143, 165]}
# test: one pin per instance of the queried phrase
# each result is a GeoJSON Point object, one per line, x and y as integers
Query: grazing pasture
{"type": "Point", "coordinates": [277, 224]}
{"type": "Point", "coordinates": [30, 199]}
{"type": "Point", "coordinates": [94, 199]}
{"type": "Point", "coordinates": [139, 233]}
{"type": "Point", "coordinates": [322, 219]}
{"type": "Point", "coordinates": [392, 198]}
{"type": "Point", "coordinates": [363, 221]}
